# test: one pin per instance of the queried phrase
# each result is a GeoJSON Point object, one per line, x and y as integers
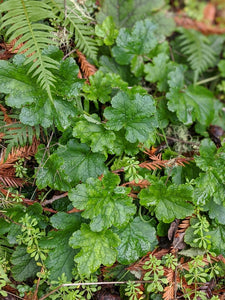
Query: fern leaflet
{"type": "Point", "coordinates": [76, 22]}
{"type": "Point", "coordinates": [198, 50]}
{"type": "Point", "coordinates": [18, 134]}
{"type": "Point", "coordinates": [24, 22]}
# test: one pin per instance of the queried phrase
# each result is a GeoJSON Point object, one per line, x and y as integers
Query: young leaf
{"type": "Point", "coordinates": [137, 238]}
{"type": "Point", "coordinates": [105, 203]}
{"type": "Point", "coordinates": [168, 203]}
{"type": "Point", "coordinates": [136, 114]}
{"type": "Point", "coordinates": [96, 248]}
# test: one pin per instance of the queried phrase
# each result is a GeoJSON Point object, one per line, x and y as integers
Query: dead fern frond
{"type": "Point", "coordinates": [7, 170]}
{"type": "Point", "coordinates": [157, 162]}
{"type": "Point", "coordinates": [11, 181]}
{"type": "Point", "coordinates": [141, 183]}
{"type": "Point", "coordinates": [176, 234]}
{"type": "Point", "coordinates": [86, 68]}
{"type": "Point", "coordinates": [7, 118]}
{"type": "Point", "coordinates": [17, 153]}
{"type": "Point", "coordinates": [169, 290]}
{"type": "Point", "coordinates": [183, 226]}
{"type": "Point", "coordinates": [137, 266]}
{"type": "Point", "coordinates": [10, 47]}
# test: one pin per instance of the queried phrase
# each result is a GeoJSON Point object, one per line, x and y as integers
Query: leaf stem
{"type": "Point", "coordinates": [54, 198]}
{"type": "Point", "coordinates": [207, 80]}
{"type": "Point", "coordinates": [165, 138]}
{"type": "Point", "coordinates": [177, 140]}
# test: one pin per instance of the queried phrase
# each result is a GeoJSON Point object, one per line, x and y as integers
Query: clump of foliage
{"type": "Point", "coordinates": [112, 173]}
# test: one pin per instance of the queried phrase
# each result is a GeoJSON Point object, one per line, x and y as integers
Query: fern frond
{"type": "Point", "coordinates": [23, 20]}
{"type": "Point", "coordinates": [2, 117]}
{"type": "Point", "coordinates": [17, 134]}
{"type": "Point", "coordinates": [7, 118]}
{"type": "Point", "coordinates": [9, 179]}
{"type": "Point", "coordinates": [76, 22]}
{"type": "Point", "coordinates": [87, 68]}
{"type": "Point", "coordinates": [157, 162]}
{"type": "Point", "coordinates": [17, 153]}
{"type": "Point", "coordinates": [198, 50]}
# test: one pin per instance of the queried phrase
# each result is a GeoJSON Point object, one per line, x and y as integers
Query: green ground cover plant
{"type": "Point", "coordinates": [112, 169]}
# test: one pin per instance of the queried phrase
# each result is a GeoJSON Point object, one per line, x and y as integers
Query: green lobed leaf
{"type": "Point", "coordinates": [207, 152]}
{"type": "Point", "coordinates": [168, 203]}
{"type": "Point", "coordinates": [121, 145]}
{"type": "Point", "coordinates": [96, 248]}
{"type": "Point", "coordinates": [165, 24]}
{"type": "Point", "coordinates": [102, 85]}
{"type": "Point", "coordinates": [131, 44]}
{"type": "Point", "coordinates": [221, 66]}
{"type": "Point", "coordinates": [191, 103]}
{"type": "Point", "coordinates": [107, 31]}
{"type": "Point", "coordinates": [210, 183]}
{"type": "Point", "coordinates": [60, 257]}
{"type": "Point", "coordinates": [68, 165]}
{"type": "Point", "coordinates": [50, 174]}
{"type": "Point", "coordinates": [136, 114]}
{"type": "Point", "coordinates": [109, 65]}
{"type": "Point", "coordinates": [62, 220]}
{"type": "Point", "coordinates": [158, 70]}
{"type": "Point", "coordinates": [93, 132]}
{"type": "Point", "coordinates": [104, 202]}
{"type": "Point", "coordinates": [24, 23]}
{"type": "Point", "coordinates": [24, 266]}
{"type": "Point", "coordinates": [137, 238]}
{"type": "Point", "coordinates": [218, 239]}
{"type": "Point", "coordinates": [216, 211]}
{"type": "Point", "coordinates": [23, 92]}
{"type": "Point", "coordinates": [126, 13]}
{"type": "Point", "coordinates": [78, 162]}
